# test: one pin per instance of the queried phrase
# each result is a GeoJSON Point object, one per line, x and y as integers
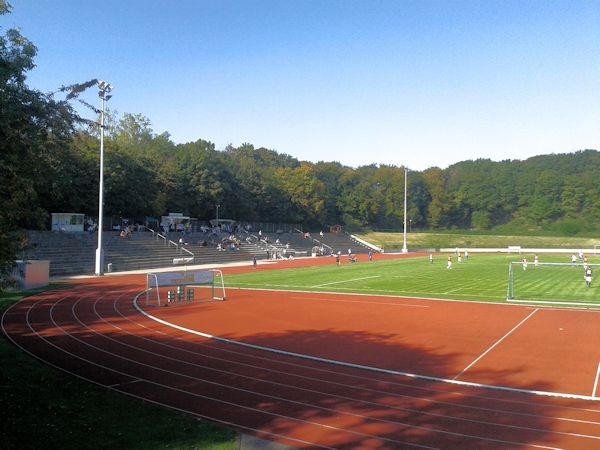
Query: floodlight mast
{"type": "Point", "coordinates": [404, 248]}
{"type": "Point", "coordinates": [105, 88]}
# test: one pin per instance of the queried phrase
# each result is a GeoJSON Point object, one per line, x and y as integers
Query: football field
{"type": "Point", "coordinates": [483, 277]}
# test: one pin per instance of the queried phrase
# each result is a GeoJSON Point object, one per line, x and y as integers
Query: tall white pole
{"type": "Point", "coordinates": [404, 248]}
{"type": "Point", "coordinates": [100, 250]}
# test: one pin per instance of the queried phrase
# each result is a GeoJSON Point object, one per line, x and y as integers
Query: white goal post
{"type": "Point", "coordinates": [211, 280]}
{"type": "Point", "coordinates": [552, 283]}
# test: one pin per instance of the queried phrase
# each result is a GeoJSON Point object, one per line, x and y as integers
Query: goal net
{"type": "Point", "coordinates": [163, 288]}
{"type": "Point", "coordinates": [553, 283]}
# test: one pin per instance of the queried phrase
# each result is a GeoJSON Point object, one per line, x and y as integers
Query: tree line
{"type": "Point", "coordinates": [146, 174]}
{"type": "Point", "coordinates": [49, 162]}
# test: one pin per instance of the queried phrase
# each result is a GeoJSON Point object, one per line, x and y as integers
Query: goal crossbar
{"type": "Point", "coordinates": [212, 278]}
{"type": "Point", "coordinates": [552, 283]}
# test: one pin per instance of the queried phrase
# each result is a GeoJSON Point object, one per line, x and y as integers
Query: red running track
{"type": "Point", "coordinates": [93, 330]}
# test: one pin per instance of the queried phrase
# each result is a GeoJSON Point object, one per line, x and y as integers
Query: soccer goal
{"type": "Point", "coordinates": [163, 288]}
{"type": "Point", "coordinates": [552, 284]}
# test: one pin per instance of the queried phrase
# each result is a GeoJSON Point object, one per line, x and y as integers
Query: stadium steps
{"type": "Point", "coordinates": [75, 253]}
{"type": "Point", "coordinates": [338, 242]}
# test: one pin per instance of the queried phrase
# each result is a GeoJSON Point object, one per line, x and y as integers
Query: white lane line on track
{"type": "Point", "coordinates": [596, 381]}
{"type": "Point", "coordinates": [341, 363]}
{"type": "Point", "coordinates": [125, 383]}
{"type": "Point", "coordinates": [374, 303]}
{"type": "Point", "coordinates": [111, 339]}
{"type": "Point", "coordinates": [246, 391]}
{"type": "Point", "coordinates": [185, 391]}
{"type": "Point", "coordinates": [75, 316]}
{"type": "Point", "coordinates": [376, 391]}
{"type": "Point", "coordinates": [341, 397]}
{"type": "Point", "coordinates": [495, 344]}
{"type": "Point", "coordinates": [363, 367]}
{"type": "Point", "coordinates": [236, 425]}
{"type": "Point", "coordinates": [291, 418]}
{"type": "Point", "coordinates": [345, 281]}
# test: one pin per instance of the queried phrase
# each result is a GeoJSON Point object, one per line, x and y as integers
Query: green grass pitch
{"type": "Point", "coordinates": [481, 278]}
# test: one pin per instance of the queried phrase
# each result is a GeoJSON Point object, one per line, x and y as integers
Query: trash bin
{"type": "Point", "coordinates": [109, 268]}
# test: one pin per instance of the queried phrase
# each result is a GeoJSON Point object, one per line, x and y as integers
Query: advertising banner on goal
{"type": "Point", "coordinates": [184, 278]}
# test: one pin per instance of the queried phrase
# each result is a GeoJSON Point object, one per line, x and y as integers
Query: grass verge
{"type": "Point", "coordinates": [43, 407]}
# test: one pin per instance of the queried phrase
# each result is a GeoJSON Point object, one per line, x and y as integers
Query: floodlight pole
{"type": "Point", "coordinates": [404, 248]}
{"type": "Point", "coordinates": [105, 88]}
{"type": "Point", "coordinates": [218, 215]}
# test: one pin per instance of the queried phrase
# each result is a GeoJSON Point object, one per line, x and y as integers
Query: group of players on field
{"type": "Point", "coordinates": [587, 269]}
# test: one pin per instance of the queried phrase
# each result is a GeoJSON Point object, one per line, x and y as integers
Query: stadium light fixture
{"type": "Point", "coordinates": [105, 88]}
{"type": "Point", "coordinates": [404, 248]}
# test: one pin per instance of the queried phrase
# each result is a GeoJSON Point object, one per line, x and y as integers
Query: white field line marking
{"type": "Point", "coordinates": [125, 383]}
{"type": "Point", "coordinates": [453, 290]}
{"type": "Point", "coordinates": [358, 366]}
{"type": "Point", "coordinates": [557, 302]}
{"type": "Point", "coordinates": [596, 381]}
{"type": "Point", "coordinates": [345, 281]}
{"type": "Point", "coordinates": [352, 291]}
{"type": "Point", "coordinates": [359, 301]}
{"type": "Point", "coordinates": [354, 377]}
{"type": "Point", "coordinates": [497, 342]}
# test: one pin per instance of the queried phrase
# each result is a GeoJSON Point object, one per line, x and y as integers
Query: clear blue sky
{"type": "Point", "coordinates": [418, 83]}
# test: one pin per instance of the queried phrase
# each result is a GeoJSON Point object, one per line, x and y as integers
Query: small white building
{"type": "Point", "coordinates": [68, 222]}
{"type": "Point", "coordinates": [177, 222]}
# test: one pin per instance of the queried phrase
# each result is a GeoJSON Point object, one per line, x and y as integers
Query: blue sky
{"type": "Point", "coordinates": [416, 83]}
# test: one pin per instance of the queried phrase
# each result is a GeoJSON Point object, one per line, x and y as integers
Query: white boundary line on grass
{"type": "Point", "coordinates": [344, 281]}
{"type": "Point", "coordinates": [357, 366]}
{"type": "Point", "coordinates": [548, 302]}
{"type": "Point", "coordinates": [508, 303]}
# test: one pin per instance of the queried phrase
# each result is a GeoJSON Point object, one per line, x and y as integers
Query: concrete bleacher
{"type": "Point", "coordinates": [75, 253]}
{"type": "Point", "coordinates": [300, 244]}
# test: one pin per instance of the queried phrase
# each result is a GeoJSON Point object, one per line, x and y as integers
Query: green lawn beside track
{"type": "Point", "coordinates": [44, 408]}
{"type": "Point", "coordinates": [483, 277]}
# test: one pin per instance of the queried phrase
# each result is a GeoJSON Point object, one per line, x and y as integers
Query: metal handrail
{"type": "Point", "coordinates": [187, 251]}
{"type": "Point", "coordinates": [323, 244]}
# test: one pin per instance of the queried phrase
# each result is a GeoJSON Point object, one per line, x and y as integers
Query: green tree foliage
{"type": "Point", "coordinates": [35, 131]}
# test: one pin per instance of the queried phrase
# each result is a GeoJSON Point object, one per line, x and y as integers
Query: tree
{"type": "Point", "coordinates": [440, 203]}
{"type": "Point", "coordinates": [303, 193]}
{"type": "Point", "coordinates": [34, 130]}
